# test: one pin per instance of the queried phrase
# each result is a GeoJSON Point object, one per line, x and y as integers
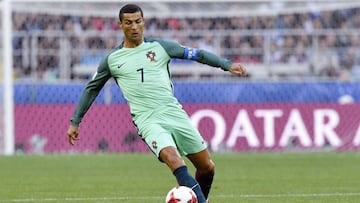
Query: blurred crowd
{"type": "Point", "coordinates": [328, 40]}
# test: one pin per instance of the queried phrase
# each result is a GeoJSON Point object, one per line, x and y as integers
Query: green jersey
{"type": "Point", "coordinates": [143, 76]}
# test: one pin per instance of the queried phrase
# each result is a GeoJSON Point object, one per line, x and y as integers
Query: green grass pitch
{"type": "Point", "coordinates": [132, 178]}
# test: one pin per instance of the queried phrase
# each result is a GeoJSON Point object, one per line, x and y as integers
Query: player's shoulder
{"type": "Point", "coordinates": [162, 42]}
{"type": "Point", "coordinates": [151, 40]}
{"type": "Point", "coordinates": [105, 60]}
{"type": "Point", "coordinates": [117, 48]}
{"type": "Point", "coordinates": [113, 51]}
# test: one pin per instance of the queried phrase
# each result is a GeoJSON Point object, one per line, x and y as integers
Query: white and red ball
{"type": "Point", "coordinates": [181, 194]}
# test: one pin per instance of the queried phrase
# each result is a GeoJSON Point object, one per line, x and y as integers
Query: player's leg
{"type": "Point", "coordinates": [171, 157]}
{"type": "Point", "coordinates": [205, 170]}
{"type": "Point", "coordinates": [161, 143]}
{"type": "Point", "coordinates": [191, 144]}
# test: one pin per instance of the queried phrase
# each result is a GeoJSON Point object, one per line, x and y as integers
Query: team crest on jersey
{"type": "Point", "coordinates": [151, 55]}
{"type": "Point", "coordinates": [154, 144]}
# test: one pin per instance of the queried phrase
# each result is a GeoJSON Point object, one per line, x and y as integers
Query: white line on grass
{"type": "Point", "coordinates": [240, 196]}
{"type": "Point", "coordinates": [289, 195]}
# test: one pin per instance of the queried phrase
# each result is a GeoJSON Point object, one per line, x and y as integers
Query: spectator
{"type": "Point", "coordinates": [326, 60]}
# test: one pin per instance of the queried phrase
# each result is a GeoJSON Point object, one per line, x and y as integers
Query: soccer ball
{"type": "Point", "coordinates": [181, 194]}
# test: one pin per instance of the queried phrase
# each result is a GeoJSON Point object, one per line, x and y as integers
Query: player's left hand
{"type": "Point", "coordinates": [238, 69]}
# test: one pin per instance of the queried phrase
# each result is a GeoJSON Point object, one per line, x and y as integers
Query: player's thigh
{"type": "Point", "coordinates": [187, 137]}
{"type": "Point", "coordinates": [157, 138]}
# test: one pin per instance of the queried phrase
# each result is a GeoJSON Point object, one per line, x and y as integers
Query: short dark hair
{"type": "Point", "coordinates": [130, 8]}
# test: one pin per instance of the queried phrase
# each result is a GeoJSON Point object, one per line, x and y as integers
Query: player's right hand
{"type": "Point", "coordinates": [238, 69]}
{"type": "Point", "coordinates": [73, 134]}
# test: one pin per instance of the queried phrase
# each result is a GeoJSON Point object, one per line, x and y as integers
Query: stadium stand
{"type": "Point", "coordinates": [301, 44]}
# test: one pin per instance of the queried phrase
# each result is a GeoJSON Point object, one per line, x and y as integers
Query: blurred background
{"type": "Point", "coordinates": [302, 91]}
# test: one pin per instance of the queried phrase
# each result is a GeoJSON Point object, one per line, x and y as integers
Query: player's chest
{"type": "Point", "coordinates": [129, 62]}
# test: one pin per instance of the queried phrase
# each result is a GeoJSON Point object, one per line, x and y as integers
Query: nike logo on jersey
{"type": "Point", "coordinates": [119, 66]}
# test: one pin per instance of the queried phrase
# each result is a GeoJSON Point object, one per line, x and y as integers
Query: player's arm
{"type": "Point", "coordinates": [87, 97]}
{"type": "Point", "coordinates": [175, 50]}
{"type": "Point", "coordinates": [211, 59]}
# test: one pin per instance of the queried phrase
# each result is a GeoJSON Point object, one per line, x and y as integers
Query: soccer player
{"type": "Point", "coordinates": [140, 67]}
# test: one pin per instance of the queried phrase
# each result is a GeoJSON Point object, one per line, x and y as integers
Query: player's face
{"type": "Point", "coordinates": [133, 28]}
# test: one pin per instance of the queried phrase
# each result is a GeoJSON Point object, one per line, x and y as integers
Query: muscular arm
{"type": "Point", "coordinates": [88, 96]}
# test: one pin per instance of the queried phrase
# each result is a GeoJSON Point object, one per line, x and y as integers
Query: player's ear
{"type": "Point", "coordinates": [120, 24]}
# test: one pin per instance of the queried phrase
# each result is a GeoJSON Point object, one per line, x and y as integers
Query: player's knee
{"type": "Point", "coordinates": [208, 168]}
